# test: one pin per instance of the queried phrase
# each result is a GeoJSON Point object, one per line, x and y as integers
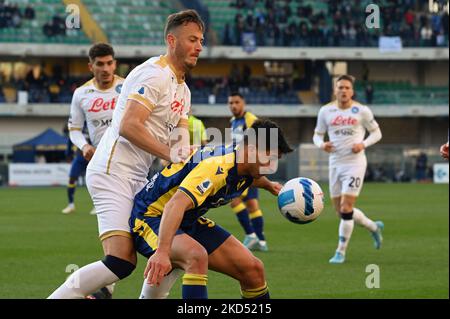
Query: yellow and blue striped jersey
{"type": "Point", "coordinates": [209, 178]}
{"type": "Point", "coordinates": [239, 125]}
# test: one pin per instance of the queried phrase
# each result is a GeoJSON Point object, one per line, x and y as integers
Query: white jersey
{"type": "Point", "coordinates": [345, 128]}
{"type": "Point", "coordinates": [95, 106]}
{"type": "Point", "coordinates": [155, 85]}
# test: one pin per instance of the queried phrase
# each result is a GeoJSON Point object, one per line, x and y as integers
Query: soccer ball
{"type": "Point", "coordinates": [301, 200]}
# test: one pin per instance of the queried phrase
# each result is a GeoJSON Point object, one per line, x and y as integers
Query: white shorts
{"type": "Point", "coordinates": [346, 180]}
{"type": "Point", "coordinates": [113, 198]}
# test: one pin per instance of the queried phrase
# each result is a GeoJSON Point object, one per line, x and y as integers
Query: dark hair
{"type": "Point", "coordinates": [266, 124]}
{"type": "Point", "coordinates": [346, 77]}
{"type": "Point", "coordinates": [99, 50]}
{"type": "Point", "coordinates": [237, 94]}
{"type": "Point", "coordinates": [181, 18]}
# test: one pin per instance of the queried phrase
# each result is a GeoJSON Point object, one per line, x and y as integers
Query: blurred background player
{"type": "Point", "coordinates": [197, 131]}
{"type": "Point", "coordinates": [92, 107]}
{"type": "Point", "coordinates": [246, 207]}
{"type": "Point", "coordinates": [346, 121]}
{"type": "Point", "coordinates": [77, 168]}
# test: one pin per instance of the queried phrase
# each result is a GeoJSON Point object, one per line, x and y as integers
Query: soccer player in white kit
{"type": "Point", "coordinates": [93, 103]}
{"type": "Point", "coordinates": [154, 100]}
{"type": "Point", "coordinates": [346, 121]}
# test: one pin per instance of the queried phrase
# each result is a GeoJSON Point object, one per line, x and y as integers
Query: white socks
{"type": "Point", "coordinates": [346, 228]}
{"type": "Point", "coordinates": [345, 232]}
{"type": "Point", "coordinates": [162, 291]}
{"type": "Point", "coordinates": [363, 220]}
{"type": "Point", "coordinates": [85, 281]}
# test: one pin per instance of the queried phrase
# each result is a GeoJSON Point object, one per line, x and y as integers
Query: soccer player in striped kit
{"type": "Point", "coordinates": [246, 207]}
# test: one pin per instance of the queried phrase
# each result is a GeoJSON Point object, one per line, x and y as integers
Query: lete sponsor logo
{"type": "Point", "coordinates": [341, 121]}
{"type": "Point", "coordinates": [99, 104]}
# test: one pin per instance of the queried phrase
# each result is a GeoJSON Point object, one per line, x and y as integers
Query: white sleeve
{"type": "Point", "coordinates": [76, 122]}
{"type": "Point", "coordinates": [321, 125]}
{"type": "Point", "coordinates": [320, 130]}
{"type": "Point", "coordinates": [77, 138]}
{"type": "Point", "coordinates": [372, 126]}
{"type": "Point", "coordinates": [318, 139]}
{"type": "Point", "coordinates": [368, 120]}
{"type": "Point", "coordinates": [373, 137]}
{"type": "Point", "coordinates": [148, 91]}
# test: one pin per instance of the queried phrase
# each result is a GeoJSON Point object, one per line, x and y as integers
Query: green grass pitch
{"type": "Point", "coordinates": [37, 243]}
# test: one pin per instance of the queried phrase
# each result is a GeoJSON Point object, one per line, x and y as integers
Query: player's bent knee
{"type": "Point", "coordinates": [252, 205]}
{"type": "Point", "coordinates": [197, 260]}
{"type": "Point", "coordinates": [347, 208]}
{"type": "Point", "coordinates": [235, 202]}
{"type": "Point", "coordinates": [253, 273]}
{"type": "Point", "coordinates": [120, 267]}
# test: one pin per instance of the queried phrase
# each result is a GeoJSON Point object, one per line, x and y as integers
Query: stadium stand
{"type": "Point", "coordinates": [305, 23]}
{"type": "Point", "coordinates": [403, 93]}
{"type": "Point", "coordinates": [136, 22]}
{"type": "Point", "coordinates": [326, 23]}
{"type": "Point", "coordinates": [297, 23]}
{"type": "Point", "coordinates": [47, 26]}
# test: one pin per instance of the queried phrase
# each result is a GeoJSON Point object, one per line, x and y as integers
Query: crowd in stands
{"type": "Point", "coordinates": [344, 24]}
{"type": "Point", "coordinates": [42, 88]}
{"type": "Point", "coordinates": [11, 15]}
{"type": "Point", "coordinates": [294, 23]}
{"type": "Point", "coordinates": [257, 90]}
{"type": "Point", "coordinates": [55, 27]}
{"type": "Point", "coordinates": [59, 87]}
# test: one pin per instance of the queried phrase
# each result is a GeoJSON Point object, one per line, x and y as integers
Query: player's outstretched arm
{"type": "Point", "coordinates": [264, 182]}
{"type": "Point", "coordinates": [159, 263]}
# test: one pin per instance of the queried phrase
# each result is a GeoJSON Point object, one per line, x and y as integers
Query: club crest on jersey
{"type": "Point", "coordinates": [204, 186]}
{"type": "Point", "coordinates": [355, 109]}
{"type": "Point", "coordinates": [89, 91]}
{"type": "Point", "coordinates": [219, 171]}
{"type": "Point", "coordinates": [141, 90]}
{"type": "Point", "coordinates": [119, 88]}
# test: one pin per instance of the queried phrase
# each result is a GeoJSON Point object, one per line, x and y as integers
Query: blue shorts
{"type": "Point", "coordinates": [79, 165]}
{"type": "Point", "coordinates": [205, 231]}
{"type": "Point", "coordinates": [250, 193]}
